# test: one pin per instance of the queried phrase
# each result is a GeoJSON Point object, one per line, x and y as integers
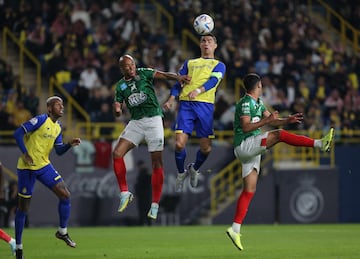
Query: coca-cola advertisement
{"type": "Point", "coordinates": [88, 173]}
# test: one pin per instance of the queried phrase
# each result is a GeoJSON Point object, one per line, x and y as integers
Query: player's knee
{"type": "Point", "coordinates": [65, 195]}
{"type": "Point", "coordinates": [205, 150]}
{"type": "Point", "coordinates": [276, 134]}
{"type": "Point", "coordinates": [157, 164]}
{"type": "Point", "coordinates": [23, 204]}
{"type": "Point", "coordinates": [116, 154]}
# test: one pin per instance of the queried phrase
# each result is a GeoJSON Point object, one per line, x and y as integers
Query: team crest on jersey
{"type": "Point", "coordinates": [33, 121]}
{"type": "Point", "coordinates": [123, 86]}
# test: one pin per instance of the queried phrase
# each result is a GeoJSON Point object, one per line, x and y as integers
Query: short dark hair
{"type": "Point", "coordinates": [211, 35]}
{"type": "Point", "coordinates": [250, 81]}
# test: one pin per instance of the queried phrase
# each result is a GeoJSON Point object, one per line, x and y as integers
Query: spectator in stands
{"type": "Point", "coordinates": [37, 37]}
{"type": "Point", "coordinates": [295, 46]}
{"type": "Point", "coordinates": [31, 101]}
{"type": "Point", "coordinates": [60, 25]}
{"type": "Point", "coordinates": [21, 114]}
{"type": "Point", "coordinates": [105, 115]}
{"type": "Point", "coordinates": [89, 80]}
{"type": "Point", "coordinates": [7, 80]}
{"type": "Point", "coordinates": [79, 12]}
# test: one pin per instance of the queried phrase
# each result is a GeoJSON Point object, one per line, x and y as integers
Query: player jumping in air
{"type": "Point", "coordinates": [250, 143]}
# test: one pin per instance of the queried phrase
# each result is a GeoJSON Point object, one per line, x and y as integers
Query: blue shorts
{"type": "Point", "coordinates": [195, 115]}
{"type": "Point", "coordinates": [26, 179]}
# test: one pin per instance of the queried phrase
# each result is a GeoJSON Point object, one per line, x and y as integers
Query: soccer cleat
{"type": "Point", "coordinates": [19, 254]}
{"type": "Point", "coordinates": [66, 238]}
{"type": "Point", "coordinates": [125, 199]}
{"type": "Point", "coordinates": [327, 140]}
{"type": "Point", "coordinates": [12, 244]}
{"type": "Point", "coordinates": [194, 175]}
{"type": "Point", "coordinates": [180, 181]}
{"type": "Point", "coordinates": [235, 238]}
{"type": "Point", "coordinates": [153, 211]}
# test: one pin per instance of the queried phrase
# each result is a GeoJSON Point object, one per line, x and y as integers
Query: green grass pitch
{"type": "Point", "coordinates": [181, 242]}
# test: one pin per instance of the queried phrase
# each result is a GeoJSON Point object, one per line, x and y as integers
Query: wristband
{"type": "Point", "coordinates": [198, 90]}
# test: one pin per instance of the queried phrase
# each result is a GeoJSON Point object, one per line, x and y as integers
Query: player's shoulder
{"type": "Point", "coordinates": [244, 101]}
{"type": "Point", "coordinates": [145, 70]}
{"type": "Point", "coordinates": [38, 119]}
{"type": "Point", "coordinates": [120, 85]}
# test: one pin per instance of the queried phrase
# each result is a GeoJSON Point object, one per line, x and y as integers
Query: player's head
{"type": "Point", "coordinates": [251, 81]}
{"type": "Point", "coordinates": [208, 45]}
{"type": "Point", "coordinates": [55, 106]}
{"type": "Point", "coordinates": [127, 66]}
{"type": "Point", "coordinates": [209, 35]}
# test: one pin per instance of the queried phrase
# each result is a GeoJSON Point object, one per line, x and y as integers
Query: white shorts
{"type": "Point", "coordinates": [249, 153]}
{"type": "Point", "coordinates": [150, 129]}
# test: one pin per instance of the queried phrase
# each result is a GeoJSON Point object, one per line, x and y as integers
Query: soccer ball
{"type": "Point", "coordinates": [203, 24]}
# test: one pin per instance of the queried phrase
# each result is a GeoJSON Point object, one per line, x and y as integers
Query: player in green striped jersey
{"type": "Point", "coordinates": [136, 91]}
{"type": "Point", "coordinates": [250, 143]}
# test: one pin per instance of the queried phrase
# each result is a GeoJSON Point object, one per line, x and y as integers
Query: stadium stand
{"type": "Point", "coordinates": [303, 68]}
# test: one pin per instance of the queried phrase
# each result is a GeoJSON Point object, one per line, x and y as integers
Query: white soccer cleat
{"type": "Point", "coordinates": [194, 175]}
{"type": "Point", "coordinates": [125, 199]}
{"type": "Point", "coordinates": [180, 181]}
{"type": "Point", "coordinates": [153, 211]}
{"type": "Point", "coordinates": [12, 244]}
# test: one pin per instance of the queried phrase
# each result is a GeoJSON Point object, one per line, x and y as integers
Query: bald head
{"type": "Point", "coordinates": [126, 57]}
{"type": "Point", "coordinates": [127, 66]}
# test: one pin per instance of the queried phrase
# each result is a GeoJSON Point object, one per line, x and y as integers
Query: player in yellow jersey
{"type": "Point", "coordinates": [36, 138]}
{"type": "Point", "coordinates": [196, 108]}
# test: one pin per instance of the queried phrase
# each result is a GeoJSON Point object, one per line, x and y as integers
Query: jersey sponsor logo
{"type": "Point", "coordinates": [123, 86]}
{"type": "Point", "coordinates": [137, 98]}
{"type": "Point", "coordinates": [33, 121]}
{"type": "Point", "coordinates": [48, 136]}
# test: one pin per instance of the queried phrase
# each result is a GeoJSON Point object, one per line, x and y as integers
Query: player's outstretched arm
{"type": "Point", "coordinates": [75, 142]}
{"type": "Point", "coordinates": [62, 148]}
{"type": "Point", "coordinates": [291, 119]}
{"type": "Point", "coordinates": [182, 79]}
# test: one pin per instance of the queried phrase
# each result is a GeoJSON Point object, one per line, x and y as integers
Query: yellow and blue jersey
{"type": "Point", "coordinates": [197, 114]}
{"type": "Point", "coordinates": [41, 135]}
{"type": "Point", "coordinates": [206, 72]}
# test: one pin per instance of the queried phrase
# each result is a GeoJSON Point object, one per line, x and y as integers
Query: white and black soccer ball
{"type": "Point", "coordinates": [203, 24]}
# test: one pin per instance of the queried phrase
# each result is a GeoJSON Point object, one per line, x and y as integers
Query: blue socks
{"type": "Point", "coordinates": [64, 212]}
{"type": "Point", "coordinates": [180, 160]}
{"type": "Point", "coordinates": [200, 159]}
{"type": "Point", "coordinates": [181, 156]}
{"type": "Point", "coordinates": [20, 217]}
